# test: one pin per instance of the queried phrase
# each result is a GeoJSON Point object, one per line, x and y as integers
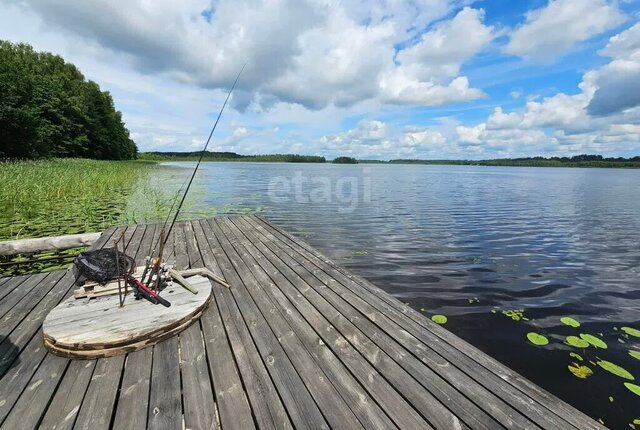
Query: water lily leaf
{"type": "Point", "coordinates": [631, 331]}
{"type": "Point", "coordinates": [598, 343]}
{"type": "Point", "coordinates": [579, 371]}
{"type": "Point", "coordinates": [439, 319]}
{"type": "Point", "coordinates": [577, 342]}
{"type": "Point", "coordinates": [636, 421]}
{"type": "Point", "coordinates": [635, 389]}
{"type": "Point", "coordinates": [576, 356]}
{"type": "Point", "coordinates": [537, 339]}
{"type": "Point", "coordinates": [615, 369]}
{"type": "Point", "coordinates": [635, 354]}
{"type": "Point", "coordinates": [570, 322]}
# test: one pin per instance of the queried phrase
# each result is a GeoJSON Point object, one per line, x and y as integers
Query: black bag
{"type": "Point", "coordinates": [102, 265]}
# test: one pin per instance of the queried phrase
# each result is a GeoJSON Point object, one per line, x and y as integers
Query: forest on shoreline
{"type": "Point", "coordinates": [575, 161]}
{"type": "Point", "coordinates": [48, 109]}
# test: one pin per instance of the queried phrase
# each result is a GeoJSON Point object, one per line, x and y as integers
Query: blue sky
{"type": "Point", "coordinates": [376, 79]}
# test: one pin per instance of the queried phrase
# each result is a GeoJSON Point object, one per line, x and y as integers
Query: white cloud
{"type": "Point", "coordinates": [312, 52]}
{"type": "Point", "coordinates": [428, 71]}
{"type": "Point", "coordinates": [618, 83]}
{"type": "Point", "coordinates": [554, 29]}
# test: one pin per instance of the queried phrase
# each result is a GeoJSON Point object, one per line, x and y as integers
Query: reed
{"type": "Point", "coordinates": [65, 196]}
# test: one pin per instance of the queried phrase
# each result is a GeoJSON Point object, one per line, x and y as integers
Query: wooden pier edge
{"type": "Point", "coordinates": [296, 342]}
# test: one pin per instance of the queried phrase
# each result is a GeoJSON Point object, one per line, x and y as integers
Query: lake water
{"type": "Point", "coordinates": [474, 244]}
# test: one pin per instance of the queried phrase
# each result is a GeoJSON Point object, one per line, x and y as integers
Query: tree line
{"type": "Point", "coordinates": [49, 109]}
{"type": "Point", "coordinates": [230, 156]}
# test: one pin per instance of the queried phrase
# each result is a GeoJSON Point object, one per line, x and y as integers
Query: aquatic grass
{"type": "Point", "coordinates": [64, 196]}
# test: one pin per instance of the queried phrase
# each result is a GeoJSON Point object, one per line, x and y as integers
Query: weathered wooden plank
{"type": "Point", "coordinates": [30, 407]}
{"type": "Point", "coordinates": [268, 406]}
{"type": "Point", "coordinates": [334, 327]}
{"type": "Point", "coordinates": [63, 410]}
{"type": "Point", "coordinates": [19, 293]}
{"type": "Point", "coordinates": [271, 281]}
{"type": "Point", "coordinates": [197, 391]}
{"type": "Point", "coordinates": [300, 403]}
{"type": "Point", "coordinates": [453, 349]}
{"type": "Point", "coordinates": [27, 246]}
{"type": "Point", "coordinates": [97, 406]}
{"type": "Point", "coordinates": [131, 413]}
{"type": "Point", "coordinates": [333, 406]}
{"type": "Point", "coordinates": [19, 374]}
{"type": "Point", "coordinates": [382, 352]}
{"type": "Point", "coordinates": [232, 402]}
{"type": "Point", "coordinates": [41, 288]}
{"type": "Point", "coordinates": [11, 345]}
{"type": "Point", "coordinates": [165, 408]}
{"type": "Point", "coordinates": [11, 284]}
{"type": "Point", "coordinates": [197, 394]}
{"type": "Point", "coordinates": [437, 375]}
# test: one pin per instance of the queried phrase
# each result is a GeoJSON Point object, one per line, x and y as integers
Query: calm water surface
{"type": "Point", "coordinates": [473, 243]}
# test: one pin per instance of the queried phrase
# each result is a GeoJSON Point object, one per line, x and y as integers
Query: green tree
{"type": "Point", "coordinates": [48, 109]}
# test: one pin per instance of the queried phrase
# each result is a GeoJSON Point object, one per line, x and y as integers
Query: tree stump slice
{"type": "Point", "coordinates": [78, 328]}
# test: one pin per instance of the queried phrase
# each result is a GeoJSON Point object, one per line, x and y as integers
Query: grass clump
{"type": "Point", "coordinates": [64, 196]}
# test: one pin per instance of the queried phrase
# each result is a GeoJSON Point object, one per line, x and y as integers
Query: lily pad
{"type": "Point", "coordinates": [439, 319]}
{"type": "Point", "coordinates": [537, 339]}
{"type": "Point", "coordinates": [615, 369]}
{"type": "Point", "coordinates": [577, 342]}
{"type": "Point", "coordinates": [631, 331]}
{"type": "Point", "coordinates": [576, 356]}
{"type": "Point", "coordinates": [570, 322]}
{"type": "Point", "coordinates": [579, 371]}
{"type": "Point", "coordinates": [635, 389]}
{"type": "Point", "coordinates": [635, 354]}
{"type": "Point", "coordinates": [598, 343]}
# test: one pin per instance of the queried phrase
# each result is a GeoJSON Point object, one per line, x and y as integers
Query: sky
{"type": "Point", "coordinates": [378, 79]}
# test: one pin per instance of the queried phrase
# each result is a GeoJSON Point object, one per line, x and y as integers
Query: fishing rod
{"type": "Point", "coordinates": [195, 170]}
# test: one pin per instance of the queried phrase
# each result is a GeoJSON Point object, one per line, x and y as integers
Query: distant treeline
{"type": "Point", "coordinates": [575, 161]}
{"type": "Point", "coordinates": [345, 160]}
{"type": "Point", "coordinates": [230, 156]}
{"type": "Point", "coordinates": [48, 109]}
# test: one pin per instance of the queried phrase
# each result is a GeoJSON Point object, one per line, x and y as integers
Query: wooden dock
{"type": "Point", "coordinates": [296, 342]}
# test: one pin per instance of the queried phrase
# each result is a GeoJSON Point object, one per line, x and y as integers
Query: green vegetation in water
{"type": "Point", "coordinates": [65, 196]}
{"type": "Point", "coordinates": [631, 331]}
{"type": "Point", "coordinates": [580, 371]}
{"type": "Point", "coordinates": [516, 314]}
{"type": "Point", "coordinates": [439, 319]}
{"type": "Point", "coordinates": [576, 356]}
{"type": "Point", "coordinates": [48, 109]}
{"type": "Point", "coordinates": [537, 339]}
{"type": "Point", "coordinates": [597, 342]}
{"type": "Point", "coordinates": [62, 196]}
{"type": "Point", "coordinates": [570, 322]}
{"type": "Point", "coordinates": [615, 369]}
{"type": "Point", "coordinates": [359, 252]}
{"type": "Point", "coordinates": [635, 389]}
{"type": "Point", "coordinates": [577, 342]}
{"type": "Point", "coordinates": [635, 354]}
{"type": "Point", "coordinates": [473, 300]}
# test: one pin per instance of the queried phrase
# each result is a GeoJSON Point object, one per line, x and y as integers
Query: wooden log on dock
{"type": "Point", "coordinates": [28, 246]}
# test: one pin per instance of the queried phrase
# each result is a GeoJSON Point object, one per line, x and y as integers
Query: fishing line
{"type": "Point", "coordinates": [193, 175]}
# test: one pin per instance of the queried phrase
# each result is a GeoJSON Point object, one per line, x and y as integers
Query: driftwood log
{"type": "Point", "coordinates": [28, 246]}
